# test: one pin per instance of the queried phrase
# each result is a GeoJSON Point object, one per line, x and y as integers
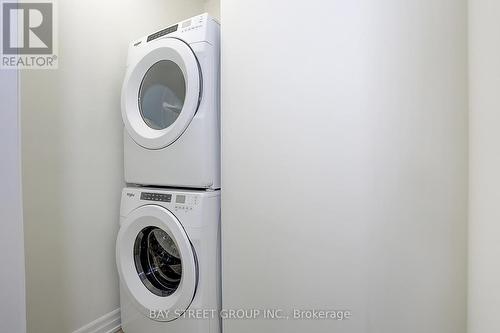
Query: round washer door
{"type": "Point", "coordinates": [156, 262]}
{"type": "Point", "coordinates": [161, 93]}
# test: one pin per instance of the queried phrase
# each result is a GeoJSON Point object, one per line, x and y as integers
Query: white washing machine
{"type": "Point", "coordinates": [168, 259]}
{"type": "Point", "coordinates": [170, 106]}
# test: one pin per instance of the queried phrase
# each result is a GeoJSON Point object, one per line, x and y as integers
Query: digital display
{"type": "Point", "coordinates": [156, 196]}
{"type": "Point", "coordinates": [180, 199]}
{"type": "Point", "coordinates": [162, 32]}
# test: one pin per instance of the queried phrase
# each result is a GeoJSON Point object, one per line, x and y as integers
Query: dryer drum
{"type": "Point", "coordinates": [157, 261]}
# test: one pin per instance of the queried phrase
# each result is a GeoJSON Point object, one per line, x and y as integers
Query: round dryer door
{"type": "Point", "coordinates": [156, 262]}
{"type": "Point", "coordinates": [161, 93]}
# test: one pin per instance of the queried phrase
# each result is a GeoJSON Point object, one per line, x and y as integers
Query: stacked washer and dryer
{"type": "Point", "coordinates": [168, 245]}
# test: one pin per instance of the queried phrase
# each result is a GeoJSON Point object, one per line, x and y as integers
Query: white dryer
{"type": "Point", "coordinates": [168, 259]}
{"type": "Point", "coordinates": [170, 106]}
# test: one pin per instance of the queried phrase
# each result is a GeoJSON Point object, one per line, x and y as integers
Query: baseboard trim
{"type": "Point", "coordinates": [109, 323]}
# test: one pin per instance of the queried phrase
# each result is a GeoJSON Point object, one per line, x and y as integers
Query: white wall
{"type": "Point", "coordinates": [345, 163]}
{"type": "Point", "coordinates": [484, 218]}
{"type": "Point", "coordinates": [72, 159]}
{"type": "Point", "coordinates": [12, 281]}
{"type": "Point", "coordinates": [212, 7]}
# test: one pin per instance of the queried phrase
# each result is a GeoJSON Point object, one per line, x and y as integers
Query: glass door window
{"type": "Point", "coordinates": [162, 94]}
{"type": "Point", "coordinates": [157, 261]}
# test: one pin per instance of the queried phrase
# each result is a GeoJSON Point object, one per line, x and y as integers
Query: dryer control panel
{"type": "Point", "coordinates": [162, 33]}
{"type": "Point", "coordinates": [200, 28]}
{"type": "Point", "coordinates": [193, 23]}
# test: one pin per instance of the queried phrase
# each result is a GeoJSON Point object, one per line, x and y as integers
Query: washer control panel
{"type": "Point", "coordinates": [185, 202]}
{"type": "Point", "coordinates": [151, 196]}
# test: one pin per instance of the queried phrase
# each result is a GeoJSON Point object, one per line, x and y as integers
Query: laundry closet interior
{"type": "Point", "coordinates": [263, 160]}
{"type": "Point", "coordinates": [131, 187]}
